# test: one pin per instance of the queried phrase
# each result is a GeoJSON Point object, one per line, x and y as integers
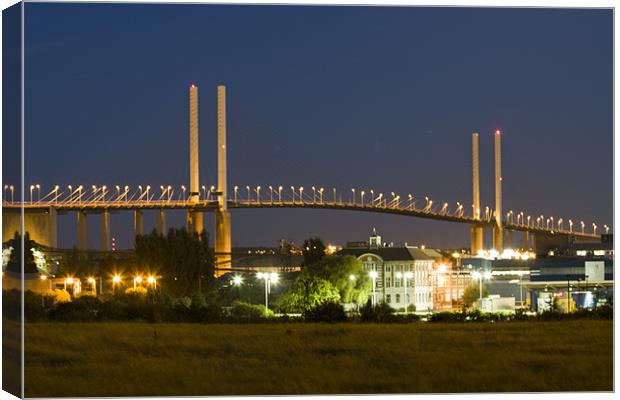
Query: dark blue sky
{"type": "Point", "coordinates": [366, 97]}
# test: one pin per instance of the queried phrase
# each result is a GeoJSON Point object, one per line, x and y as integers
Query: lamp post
{"type": "Point", "coordinates": [269, 278]}
{"type": "Point", "coordinates": [280, 194]}
{"type": "Point", "coordinates": [373, 276]}
{"type": "Point", "coordinates": [93, 284]}
{"type": "Point", "coordinates": [407, 275]}
{"type": "Point", "coordinates": [152, 281]}
{"type": "Point", "coordinates": [236, 190]}
{"type": "Point", "coordinates": [116, 280]}
{"type": "Point", "coordinates": [137, 280]}
{"type": "Point", "coordinates": [270, 194]}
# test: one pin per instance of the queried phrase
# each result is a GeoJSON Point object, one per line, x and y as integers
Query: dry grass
{"type": "Point", "coordinates": [135, 359]}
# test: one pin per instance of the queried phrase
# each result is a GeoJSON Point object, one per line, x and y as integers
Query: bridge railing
{"type": "Point", "coordinates": [167, 196]}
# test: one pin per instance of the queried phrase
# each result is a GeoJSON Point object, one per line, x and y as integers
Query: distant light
{"type": "Point", "coordinates": [69, 280]}
{"type": "Point", "coordinates": [138, 279]}
{"type": "Point", "coordinates": [43, 277]}
{"type": "Point", "coordinates": [351, 277]}
{"type": "Point", "coordinates": [116, 279]}
{"type": "Point", "coordinates": [497, 132]}
{"type": "Point", "coordinates": [273, 277]}
{"type": "Point", "coordinates": [91, 280]}
{"type": "Point", "coordinates": [237, 280]}
{"type": "Point", "coordinates": [150, 280]}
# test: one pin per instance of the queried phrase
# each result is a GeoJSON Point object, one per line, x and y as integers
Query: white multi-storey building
{"type": "Point", "coordinates": [404, 275]}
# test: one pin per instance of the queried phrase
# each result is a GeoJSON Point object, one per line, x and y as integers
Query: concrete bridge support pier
{"type": "Point", "coordinates": [508, 239]}
{"type": "Point", "coordinates": [138, 222]}
{"type": "Point", "coordinates": [160, 226]}
{"type": "Point", "coordinates": [81, 230]}
{"type": "Point", "coordinates": [105, 230]}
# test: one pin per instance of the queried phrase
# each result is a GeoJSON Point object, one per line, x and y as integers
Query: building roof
{"type": "Point", "coordinates": [389, 253]}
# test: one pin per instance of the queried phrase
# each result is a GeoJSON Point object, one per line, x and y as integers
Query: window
{"type": "Point", "coordinates": [396, 282]}
{"type": "Point", "coordinates": [388, 282]}
{"type": "Point", "coordinates": [388, 268]}
{"type": "Point", "coordinates": [388, 298]}
{"type": "Point", "coordinates": [408, 298]}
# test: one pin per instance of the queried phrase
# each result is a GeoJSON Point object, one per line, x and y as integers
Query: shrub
{"type": "Point", "coordinates": [242, 311]}
{"type": "Point", "coordinates": [137, 291]}
{"type": "Point", "coordinates": [326, 312]}
{"type": "Point", "coordinates": [57, 296]}
{"type": "Point", "coordinates": [382, 312]}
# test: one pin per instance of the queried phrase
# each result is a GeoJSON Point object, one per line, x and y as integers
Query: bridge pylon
{"type": "Point", "coordinates": [194, 218]}
{"type": "Point", "coordinates": [223, 256]}
{"type": "Point", "coordinates": [476, 231]}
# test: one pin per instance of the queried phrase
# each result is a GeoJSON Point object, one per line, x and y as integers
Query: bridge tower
{"type": "Point", "coordinates": [476, 230]}
{"type": "Point", "coordinates": [194, 218]}
{"type": "Point", "coordinates": [498, 234]}
{"type": "Point", "coordinates": [223, 256]}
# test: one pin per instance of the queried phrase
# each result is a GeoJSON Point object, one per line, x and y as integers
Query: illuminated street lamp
{"type": "Point", "coordinates": [407, 275]}
{"type": "Point", "coordinates": [93, 284]}
{"type": "Point", "coordinates": [31, 189]}
{"type": "Point", "coordinates": [594, 226]}
{"type": "Point", "coordinates": [570, 225]}
{"type": "Point", "coordinates": [269, 278]}
{"type": "Point", "coordinates": [301, 194]}
{"type": "Point", "coordinates": [293, 191]}
{"type": "Point", "coordinates": [270, 194]}
{"type": "Point", "coordinates": [373, 275]}
{"type": "Point", "coordinates": [352, 196]}
{"type": "Point", "coordinates": [258, 194]}
{"type": "Point", "coordinates": [152, 281]}
{"type": "Point", "coordinates": [248, 189]}
{"type": "Point", "coordinates": [116, 280]}
{"type": "Point", "coordinates": [476, 275]}
{"type": "Point", "coordinates": [280, 194]}
{"type": "Point", "coordinates": [183, 192]}
{"type": "Point", "coordinates": [606, 229]}
{"type": "Point", "coordinates": [68, 281]}
{"type": "Point", "coordinates": [136, 281]}
{"type": "Point", "coordinates": [321, 195]}
{"type": "Point", "coordinates": [352, 278]}
{"type": "Point", "coordinates": [410, 198]}
{"type": "Point", "coordinates": [362, 194]}
{"type": "Point", "coordinates": [236, 190]}
{"type": "Point", "coordinates": [237, 280]}
{"type": "Point", "coordinates": [313, 194]}
{"type": "Point", "coordinates": [583, 227]}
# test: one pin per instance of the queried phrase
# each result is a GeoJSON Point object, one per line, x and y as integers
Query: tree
{"type": "Point", "coordinates": [308, 292]}
{"type": "Point", "coordinates": [471, 294]}
{"type": "Point", "coordinates": [313, 250]}
{"type": "Point", "coordinates": [14, 264]}
{"type": "Point", "coordinates": [183, 259]}
{"type": "Point", "coordinates": [346, 274]}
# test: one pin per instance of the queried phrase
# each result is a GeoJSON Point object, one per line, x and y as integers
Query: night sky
{"type": "Point", "coordinates": [365, 97]}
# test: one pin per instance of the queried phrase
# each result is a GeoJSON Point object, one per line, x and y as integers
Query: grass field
{"type": "Point", "coordinates": [123, 359]}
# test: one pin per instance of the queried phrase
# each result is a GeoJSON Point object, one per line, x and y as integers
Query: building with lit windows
{"type": "Point", "coordinates": [403, 275]}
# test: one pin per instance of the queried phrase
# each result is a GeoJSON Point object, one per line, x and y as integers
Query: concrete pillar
{"type": "Point", "coordinates": [195, 221]}
{"type": "Point", "coordinates": [223, 252]}
{"type": "Point", "coordinates": [105, 230]}
{"type": "Point", "coordinates": [498, 234]}
{"type": "Point", "coordinates": [477, 237]}
{"type": "Point", "coordinates": [82, 242]}
{"type": "Point", "coordinates": [526, 240]}
{"type": "Point", "coordinates": [194, 218]}
{"type": "Point", "coordinates": [138, 222]}
{"type": "Point", "coordinates": [160, 226]}
{"type": "Point", "coordinates": [508, 239]}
